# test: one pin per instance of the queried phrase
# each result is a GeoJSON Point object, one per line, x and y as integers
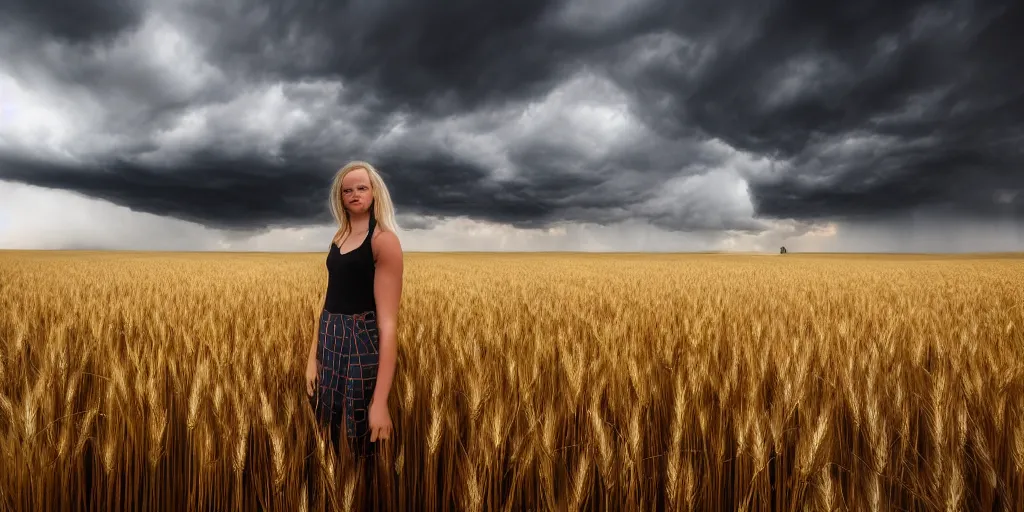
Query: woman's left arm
{"type": "Point", "coordinates": [387, 289]}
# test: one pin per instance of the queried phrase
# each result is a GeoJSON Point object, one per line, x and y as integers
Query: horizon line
{"type": "Point", "coordinates": [541, 251]}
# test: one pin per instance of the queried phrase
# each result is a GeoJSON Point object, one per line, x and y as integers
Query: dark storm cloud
{"type": "Point", "coordinates": [212, 190]}
{"type": "Point", "coordinates": [843, 64]}
{"type": "Point", "coordinates": [74, 22]}
{"type": "Point", "coordinates": [937, 180]}
{"type": "Point", "coordinates": [940, 82]}
{"type": "Point", "coordinates": [868, 108]}
{"type": "Point", "coordinates": [441, 186]}
{"type": "Point", "coordinates": [440, 56]}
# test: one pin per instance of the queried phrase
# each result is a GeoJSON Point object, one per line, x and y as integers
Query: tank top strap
{"type": "Point", "coordinates": [372, 225]}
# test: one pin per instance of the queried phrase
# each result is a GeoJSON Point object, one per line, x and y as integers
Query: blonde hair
{"type": "Point", "coordinates": [383, 208]}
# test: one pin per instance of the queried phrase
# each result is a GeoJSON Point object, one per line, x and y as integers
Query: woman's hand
{"type": "Point", "coordinates": [380, 421]}
{"type": "Point", "coordinates": [310, 376]}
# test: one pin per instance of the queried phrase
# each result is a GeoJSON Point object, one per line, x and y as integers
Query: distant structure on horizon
{"type": "Point", "coordinates": [782, 250]}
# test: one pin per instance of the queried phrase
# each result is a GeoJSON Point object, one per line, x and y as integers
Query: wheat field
{"type": "Point", "coordinates": [156, 381]}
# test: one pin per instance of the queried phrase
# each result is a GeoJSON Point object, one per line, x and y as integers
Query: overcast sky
{"type": "Point", "coordinates": [595, 125]}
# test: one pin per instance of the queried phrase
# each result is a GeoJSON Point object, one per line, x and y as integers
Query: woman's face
{"type": "Point", "coordinates": [356, 193]}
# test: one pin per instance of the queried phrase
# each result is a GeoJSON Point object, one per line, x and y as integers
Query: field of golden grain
{"type": "Point", "coordinates": [156, 381]}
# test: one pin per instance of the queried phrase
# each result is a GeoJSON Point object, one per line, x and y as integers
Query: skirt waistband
{"type": "Point", "coordinates": [365, 315]}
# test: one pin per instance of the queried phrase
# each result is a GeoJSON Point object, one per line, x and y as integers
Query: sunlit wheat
{"type": "Point", "coordinates": [148, 381]}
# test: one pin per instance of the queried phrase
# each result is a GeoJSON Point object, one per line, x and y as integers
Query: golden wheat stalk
{"type": "Point", "coordinates": [525, 382]}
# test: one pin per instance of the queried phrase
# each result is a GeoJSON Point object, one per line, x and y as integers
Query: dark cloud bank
{"type": "Point", "coordinates": [859, 110]}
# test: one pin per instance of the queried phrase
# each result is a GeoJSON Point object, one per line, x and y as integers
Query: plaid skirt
{"type": "Point", "coordinates": [347, 356]}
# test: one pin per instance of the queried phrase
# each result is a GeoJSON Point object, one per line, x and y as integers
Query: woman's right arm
{"type": "Point", "coordinates": [311, 366]}
{"type": "Point", "coordinates": [316, 337]}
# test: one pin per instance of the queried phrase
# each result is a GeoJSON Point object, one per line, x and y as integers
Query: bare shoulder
{"type": "Point", "coordinates": [386, 245]}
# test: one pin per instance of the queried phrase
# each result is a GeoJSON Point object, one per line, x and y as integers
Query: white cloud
{"type": "Point", "coordinates": [257, 121]}
{"type": "Point", "coordinates": [587, 115]}
{"type": "Point", "coordinates": [128, 79]}
{"type": "Point", "coordinates": [40, 124]}
{"type": "Point", "coordinates": [716, 199]}
{"type": "Point", "coordinates": [133, 104]}
{"type": "Point", "coordinates": [37, 218]}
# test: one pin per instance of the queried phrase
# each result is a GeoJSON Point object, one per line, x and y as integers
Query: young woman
{"type": "Point", "coordinates": [352, 359]}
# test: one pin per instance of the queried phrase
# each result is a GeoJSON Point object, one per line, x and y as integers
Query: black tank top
{"type": "Point", "coordinates": [350, 278]}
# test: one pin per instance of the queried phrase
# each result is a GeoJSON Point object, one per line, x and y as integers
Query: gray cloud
{"type": "Point", "coordinates": [73, 22]}
{"type": "Point", "coordinates": [869, 107]}
{"type": "Point", "coordinates": [210, 190]}
{"type": "Point", "coordinates": [436, 57]}
{"type": "Point", "coordinates": [700, 116]}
